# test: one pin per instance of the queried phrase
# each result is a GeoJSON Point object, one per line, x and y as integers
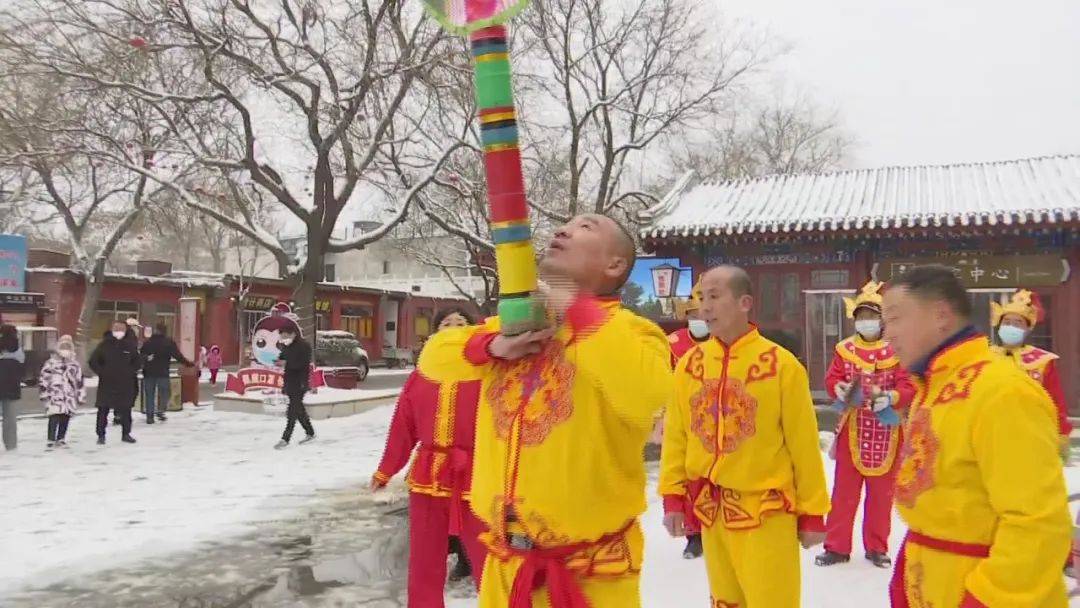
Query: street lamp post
{"type": "Point", "coordinates": [665, 279]}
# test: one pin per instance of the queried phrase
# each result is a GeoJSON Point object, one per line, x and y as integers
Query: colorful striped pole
{"type": "Point", "coordinates": [515, 257]}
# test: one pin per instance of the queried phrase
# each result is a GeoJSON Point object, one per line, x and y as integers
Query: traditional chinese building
{"type": "Point", "coordinates": [230, 305]}
{"type": "Point", "coordinates": [808, 240]}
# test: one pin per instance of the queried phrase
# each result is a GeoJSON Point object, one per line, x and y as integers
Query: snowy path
{"type": "Point", "coordinates": [201, 476]}
{"type": "Point", "coordinates": [203, 503]}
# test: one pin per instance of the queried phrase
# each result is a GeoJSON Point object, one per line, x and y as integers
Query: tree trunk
{"type": "Point", "coordinates": [309, 278]}
{"type": "Point", "coordinates": [95, 280]}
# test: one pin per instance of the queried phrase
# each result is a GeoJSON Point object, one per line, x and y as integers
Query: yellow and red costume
{"type": "Point", "coordinates": [1040, 364]}
{"type": "Point", "coordinates": [741, 456]}
{"type": "Point", "coordinates": [866, 449]}
{"type": "Point", "coordinates": [980, 486]}
{"type": "Point", "coordinates": [558, 475]}
{"type": "Point", "coordinates": [440, 417]}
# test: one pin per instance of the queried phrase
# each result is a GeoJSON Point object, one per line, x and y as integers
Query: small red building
{"type": "Point", "coordinates": [230, 305]}
{"type": "Point", "coordinates": [808, 240]}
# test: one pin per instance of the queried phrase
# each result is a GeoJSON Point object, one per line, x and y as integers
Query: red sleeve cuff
{"type": "Point", "coordinates": [674, 503]}
{"type": "Point", "coordinates": [970, 601]}
{"type": "Point", "coordinates": [811, 523]}
{"type": "Point", "coordinates": [476, 349]}
{"type": "Point", "coordinates": [585, 314]}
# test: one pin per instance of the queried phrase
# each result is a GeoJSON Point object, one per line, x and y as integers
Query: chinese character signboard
{"type": "Point", "coordinates": [988, 271]}
{"type": "Point", "coordinates": [12, 263]}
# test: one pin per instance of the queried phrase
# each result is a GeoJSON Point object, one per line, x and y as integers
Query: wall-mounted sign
{"type": "Point", "coordinates": [23, 301]}
{"type": "Point", "coordinates": [12, 263]}
{"type": "Point", "coordinates": [987, 271]}
{"type": "Point", "coordinates": [716, 258]}
{"type": "Point", "coordinates": [259, 302]}
{"type": "Point", "coordinates": [322, 306]}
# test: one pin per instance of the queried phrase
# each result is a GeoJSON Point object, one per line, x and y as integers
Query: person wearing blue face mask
{"type": "Point", "coordinates": [1013, 323]}
{"type": "Point", "coordinates": [867, 379]}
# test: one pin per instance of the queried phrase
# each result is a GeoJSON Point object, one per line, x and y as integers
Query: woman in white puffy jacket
{"type": "Point", "coordinates": [62, 389]}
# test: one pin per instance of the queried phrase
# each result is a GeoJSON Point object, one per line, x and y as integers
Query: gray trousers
{"type": "Point", "coordinates": [9, 432]}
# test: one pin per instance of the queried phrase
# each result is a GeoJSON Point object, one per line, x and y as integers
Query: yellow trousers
{"type": "Point", "coordinates": [756, 568]}
{"type": "Point", "coordinates": [936, 578]}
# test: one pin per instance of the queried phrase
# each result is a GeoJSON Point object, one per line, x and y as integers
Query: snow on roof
{"type": "Point", "coordinates": [1036, 190]}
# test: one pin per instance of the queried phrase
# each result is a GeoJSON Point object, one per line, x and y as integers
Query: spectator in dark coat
{"type": "Point", "coordinates": [157, 353]}
{"type": "Point", "coordinates": [12, 367]}
{"type": "Point", "coordinates": [296, 357]}
{"type": "Point", "coordinates": [116, 362]}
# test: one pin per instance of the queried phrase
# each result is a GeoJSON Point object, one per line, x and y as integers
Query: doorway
{"type": "Point", "coordinates": [826, 324]}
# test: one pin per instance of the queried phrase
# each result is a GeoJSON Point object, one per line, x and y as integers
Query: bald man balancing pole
{"type": "Point", "coordinates": [741, 454]}
{"type": "Point", "coordinates": [980, 485]}
{"type": "Point", "coordinates": [564, 413]}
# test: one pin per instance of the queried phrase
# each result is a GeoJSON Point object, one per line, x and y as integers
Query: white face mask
{"type": "Point", "coordinates": [1011, 336]}
{"type": "Point", "coordinates": [119, 335]}
{"type": "Point", "coordinates": [698, 328]}
{"type": "Point", "coordinates": [286, 341]}
{"type": "Point", "coordinates": [868, 328]}
{"type": "Point", "coordinates": [66, 353]}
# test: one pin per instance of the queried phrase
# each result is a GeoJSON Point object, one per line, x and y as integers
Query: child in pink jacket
{"type": "Point", "coordinates": [213, 363]}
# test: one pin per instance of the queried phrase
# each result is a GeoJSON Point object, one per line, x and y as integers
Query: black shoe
{"type": "Point", "coordinates": [307, 439]}
{"type": "Point", "coordinates": [281, 445]}
{"type": "Point", "coordinates": [881, 560]}
{"type": "Point", "coordinates": [162, 417]}
{"type": "Point", "coordinates": [461, 569]}
{"type": "Point", "coordinates": [149, 421]}
{"type": "Point", "coordinates": [128, 439]}
{"type": "Point", "coordinates": [693, 547]}
{"type": "Point", "coordinates": [101, 440]}
{"type": "Point", "coordinates": [831, 558]}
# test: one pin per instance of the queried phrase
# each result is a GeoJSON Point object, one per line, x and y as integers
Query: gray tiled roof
{"type": "Point", "coordinates": [1042, 190]}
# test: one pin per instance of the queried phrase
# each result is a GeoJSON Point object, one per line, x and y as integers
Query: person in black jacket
{"type": "Point", "coordinates": [296, 356]}
{"type": "Point", "coordinates": [157, 353]}
{"type": "Point", "coordinates": [12, 362]}
{"type": "Point", "coordinates": [116, 362]}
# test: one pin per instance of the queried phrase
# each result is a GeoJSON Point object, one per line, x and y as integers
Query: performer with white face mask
{"type": "Point", "coordinates": [866, 375]}
{"type": "Point", "coordinates": [1013, 323]}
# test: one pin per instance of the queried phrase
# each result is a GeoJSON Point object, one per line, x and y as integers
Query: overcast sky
{"type": "Point", "coordinates": [936, 81]}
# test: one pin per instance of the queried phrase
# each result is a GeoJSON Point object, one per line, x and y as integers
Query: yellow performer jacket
{"type": "Point", "coordinates": [980, 467]}
{"type": "Point", "coordinates": [560, 435]}
{"type": "Point", "coordinates": [741, 438]}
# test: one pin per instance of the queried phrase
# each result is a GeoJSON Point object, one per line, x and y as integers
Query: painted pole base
{"type": "Point", "coordinates": [520, 315]}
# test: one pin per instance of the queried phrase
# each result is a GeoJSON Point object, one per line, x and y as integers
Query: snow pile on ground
{"type": "Point", "coordinates": [202, 475]}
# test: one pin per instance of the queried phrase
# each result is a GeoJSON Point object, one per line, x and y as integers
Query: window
{"type": "Point", "coordinates": [166, 313]}
{"type": "Point", "coordinates": [422, 323]}
{"type": "Point", "coordinates": [329, 273]}
{"type": "Point", "coordinates": [357, 320]}
{"type": "Point", "coordinates": [768, 294]}
{"type": "Point", "coordinates": [386, 267]}
{"type": "Point", "coordinates": [829, 279]}
{"type": "Point", "coordinates": [109, 311]}
{"type": "Point", "coordinates": [789, 297]}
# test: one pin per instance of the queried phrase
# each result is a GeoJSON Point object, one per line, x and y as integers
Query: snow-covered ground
{"type": "Point", "coordinates": [212, 476]}
{"type": "Point", "coordinates": [202, 475]}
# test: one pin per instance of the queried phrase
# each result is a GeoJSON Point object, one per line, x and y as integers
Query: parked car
{"type": "Point", "coordinates": [336, 348]}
